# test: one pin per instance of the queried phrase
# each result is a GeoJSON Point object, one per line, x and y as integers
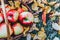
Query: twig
{"type": "Point", "coordinates": [27, 7]}
{"type": "Point", "coordinates": [17, 37]}
{"type": "Point", "coordinates": [37, 12]}
{"type": "Point", "coordinates": [6, 21]}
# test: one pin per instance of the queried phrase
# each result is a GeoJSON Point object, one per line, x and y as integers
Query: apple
{"type": "Point", "coordinates": [1, 17]}
{"type": "Point", "coordinates": [12, 15]}
{"type": "Point", "coordinates": [26, 18]}
{"type": "Point", "coordinates": [0, 10]}
{"type": "Point", "coordinates": [20, 10]}
{"type": "Point", "coordinates": [18, 28]}
{"type": "Point", "coordinates": [3, 30]}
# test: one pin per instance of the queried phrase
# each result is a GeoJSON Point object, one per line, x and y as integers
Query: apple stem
{"type": "Point", "coordinates": [6, 21]}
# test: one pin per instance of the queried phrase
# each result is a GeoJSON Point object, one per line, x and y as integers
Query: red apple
{"type": "Point", "coordinates": [26, 18]}
{"type": "Point", "coordinates": [18, 28]}
{"type": "Point", "coordinates": [0, 10]}
{"type": "Point", "coordinates": [1, 17]}
{"type": "Point", "coordinates": [20, 10]}
{"type": "Point", "coordinates": [3, 30]}
{"type": "Point", "coordinates": [12, 15]}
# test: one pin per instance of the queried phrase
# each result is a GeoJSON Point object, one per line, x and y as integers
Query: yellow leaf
{"type": "Point", "coordinates": [48, 9]}
{"type": "Point", "coordinates": [59, 32]}
{"type": "Point", "coordinates": [52, 3]}
{"type": "Point", "coordinates": [35, 7]}
{"type": "Point", "coordinates": [25, 8]}
{"type": "Point", "coordinates": [44, 1]}
{"type": "Point", "coordinates": [17, 4]}
{"type": "Point", "coordinates": [41, 5]}
{"type": "Point", "coordinates": [42, 29]}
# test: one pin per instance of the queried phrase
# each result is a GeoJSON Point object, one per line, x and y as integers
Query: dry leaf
{"type": "Point", "coordinates": [25, 8]}
{"type": "Point", "coordinates": [12, 4]}
{"type": "Point", "coordinates": [30, 1]}
{"type": "Point", "coordinates": [17, 4]}
{"type": "Point", "coordinates": [57, 5]}
{"type": "Point", "coordinates": [59, 21]}
{"type": "Point", "coordinates": [32, 35]}
{"type": "Point", "coordinates": [42, 29]}
{"type": "Point", "coordinates": [39, 1]}
{"type": "Point", "coordinates": [52, 3]}
{"type": "Point", "coordinates": [26, 29]}
{"type": "Point", "coordinates": [25, 1]}
{"type": "Point", "coordinates": [59, 32]}
{"type": "Point", "coordinates": [44, 1]}
{"type": "Point", "coordinates": [33, 28]}
{"type": "Point", "coordinates": [48, 9]}
{"type": "Point", "coordinates": [42, 35]}
{"type": "Point", "coordinates": [36, 20]}
{"type": "Point", "coordinates": [34, 7]}
{"type": "Point", "coordinates": [41, 5]}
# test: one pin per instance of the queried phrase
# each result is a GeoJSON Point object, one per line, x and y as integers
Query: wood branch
{"type": "Point", "coordinates": [27, 7]}
{"type": "Point", "coordinates": [6, 21]}
{"type": "Point", "coordinates": [37, 12]}
{"type": "Point", "coordinates": [17, 37]}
